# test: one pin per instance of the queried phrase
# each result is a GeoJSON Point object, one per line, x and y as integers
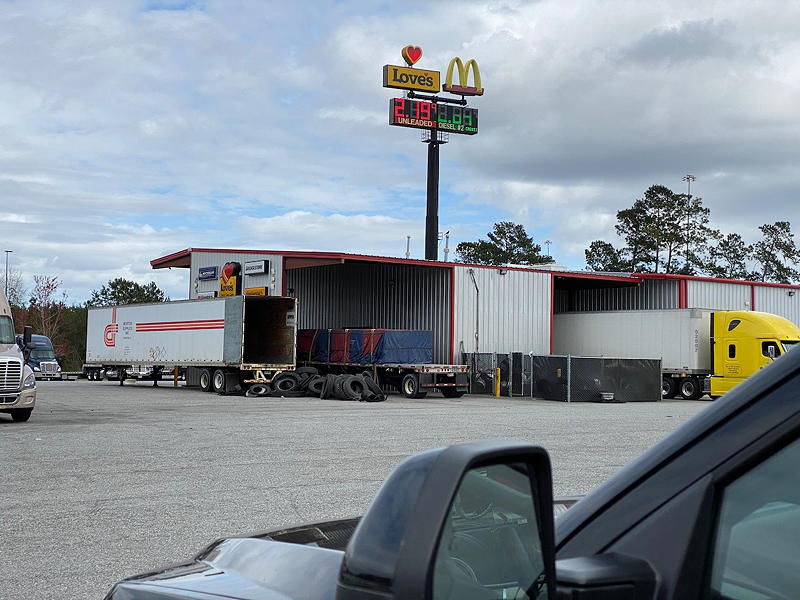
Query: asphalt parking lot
{"type": "Point", "coordinates": [107, 481]}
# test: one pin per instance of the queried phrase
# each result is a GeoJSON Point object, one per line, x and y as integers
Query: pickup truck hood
{"type": "Point", "coordinates": [242, 568]}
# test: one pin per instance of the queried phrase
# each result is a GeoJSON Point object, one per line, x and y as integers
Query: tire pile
{"type": "Point", "coordinates": [306, 381]}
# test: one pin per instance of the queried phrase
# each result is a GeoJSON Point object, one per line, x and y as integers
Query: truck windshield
{"type": "Point", "coordinates": [789, 346]}
{"type": "Point", "coordinates": [42, 354]}
{"type": "Point", "coordinates": [6, 330]}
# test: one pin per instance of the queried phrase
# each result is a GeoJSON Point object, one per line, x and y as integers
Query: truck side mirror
{"type": "Point", "coordinates": [467, 521]}
{"type": "Point", "coordinates": [27, 336]}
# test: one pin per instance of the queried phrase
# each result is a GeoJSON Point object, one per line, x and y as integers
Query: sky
{"type": "Point", "coordinates": [133, 129]}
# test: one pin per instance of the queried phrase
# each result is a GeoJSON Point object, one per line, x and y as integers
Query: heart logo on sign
{"type": "Point", "coordinates": [412, 54]}
{"type": "Point", "coordinates": [229, 270]}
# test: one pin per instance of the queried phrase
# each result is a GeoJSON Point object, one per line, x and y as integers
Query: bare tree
{"type": "Point", "coordinates": [47, 306]}
{"type": "Point", "coordinates": [16, 286]}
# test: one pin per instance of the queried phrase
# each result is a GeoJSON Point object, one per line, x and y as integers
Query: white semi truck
{"type": "Point", "coordinates": [701, 350]}
{"type": "Point", "coordinates": [17, 380]}
{"type": "Point", "coordinates": [229, 343]}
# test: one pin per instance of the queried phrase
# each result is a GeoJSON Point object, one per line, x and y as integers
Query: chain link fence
{"type": "Point", "coordinates": [566, 378]}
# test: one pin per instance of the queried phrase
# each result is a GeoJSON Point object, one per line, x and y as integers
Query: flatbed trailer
{"type": "Point", "coordinates": [413, 380]}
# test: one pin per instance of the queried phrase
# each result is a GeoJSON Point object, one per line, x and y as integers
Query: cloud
{"type": "Point", "coordinates": [140, 128]}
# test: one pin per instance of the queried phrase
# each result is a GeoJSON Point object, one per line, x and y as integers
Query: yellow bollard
{"type": "Point", "coordinates": [175, 377]}
{"type": "Point", "coordinates": [497, 383]}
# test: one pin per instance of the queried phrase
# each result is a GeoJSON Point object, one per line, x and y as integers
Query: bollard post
{"type": "Point", "coordinates": [497, 383]}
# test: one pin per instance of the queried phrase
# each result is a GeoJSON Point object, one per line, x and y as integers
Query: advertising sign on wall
{"type": "Point", "coordinates": [256, 267]}
{"type": "Point", "coordinates": [256, 291]}
{"type": "Point", "coordinates": [206, 294]}
{"type": "Point", "coordinates": [230, 283]}
{"type": "Point", "coordinates": [207, 273]}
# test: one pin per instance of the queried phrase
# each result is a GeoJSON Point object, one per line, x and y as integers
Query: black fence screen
{"type": "Point", "coordinates": [566, 378]}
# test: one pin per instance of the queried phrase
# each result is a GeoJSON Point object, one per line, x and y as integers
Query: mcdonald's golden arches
{"type": "Point", "coordinates": [463, 88]}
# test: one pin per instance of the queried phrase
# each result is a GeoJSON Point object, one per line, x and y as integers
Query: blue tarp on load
{"type": "Point", "coordinates": [365, 346]}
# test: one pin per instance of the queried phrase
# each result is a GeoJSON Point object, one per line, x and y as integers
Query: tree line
{"type": "Point", "coordinates": [665, 232]}
{"type": "Point", "coordinates": [45, 307]}
{"type": "Point", "coordinates": [662, 232]}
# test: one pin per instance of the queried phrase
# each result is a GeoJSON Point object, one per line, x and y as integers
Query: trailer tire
{"type": "Point", "coordinates": [286, 382]}
{"type": "Point", "coordinates": [690, 388]}
{"type": "Point", "coordinates": [258, 390]}
{"type": "Point", "coordinates": [410, 386]}
{"type": "Point", "coordinates": [669, 387]}
{"type": "Point", "coordinates": [338, 388]}
{"type": "Point", "coordinates": [374, 387]}
{"type": "Point", "coordinates": [451, 392]}
{"type": "Point", "coordinates": [205, 380]}
{"type": "Point", "coordinates": [354, 387]}
{"type": "Point", "coordinates": [315, 384]}
{"type": "Point", "coordinates": [307, 371]}
{"type": "Point", "coordinates": [327, 387]}
{"type": "Point", "coordinates": [218, 382]}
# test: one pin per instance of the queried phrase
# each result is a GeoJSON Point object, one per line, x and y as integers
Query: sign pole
{"type": "Point", "coordinates": [432, 215]}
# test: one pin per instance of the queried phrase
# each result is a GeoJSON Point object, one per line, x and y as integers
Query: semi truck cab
{"type": "Point", "coordinates": [17, 381]}
{"type": "Point", "coordinates": [744, 342]}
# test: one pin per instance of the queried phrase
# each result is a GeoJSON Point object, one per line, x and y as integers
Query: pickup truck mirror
{"type": "Point", "coordinates": [467, 521]}
{"type": "Point", "coordinates": [27, 337]}
{"type": "Point", "coordinates": [606, 576]}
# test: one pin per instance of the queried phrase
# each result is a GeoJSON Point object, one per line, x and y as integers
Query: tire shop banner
{"type": "Point", "coordinates": [207, 273]}
{"type": "Point", "coordinates": [365, 346]}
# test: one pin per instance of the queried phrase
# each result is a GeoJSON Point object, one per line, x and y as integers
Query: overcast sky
{"type": "Point", "coordinates": [132, 129]}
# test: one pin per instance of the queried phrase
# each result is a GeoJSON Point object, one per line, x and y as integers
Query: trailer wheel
{"type": "Point", "coordinates": [205, 380]}
{"type": "Point", "coordinates": [451, 392]}
{"type": "Point", "coordinates": [690, 388]}
{"type": "Point", "coordinates": [218, 381]}
{"type": "Point", "coordinates": [669, 387]}
{"type": "Point", "coordinates": [410, 386]}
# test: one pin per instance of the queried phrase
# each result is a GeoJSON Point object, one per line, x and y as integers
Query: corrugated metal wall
{"type": "Point", "coordinates": [778, 301]}
{"type": "Point", "coordinates": [717, 295]}
{"type": "Point", "coordinates": [272, 281]}
{"type": "Point", "coordinates": [513, 311]}
{"type": "Point", "coordinates": [375, 295]}
{"type": "Point", "coordinates": [650, 294]}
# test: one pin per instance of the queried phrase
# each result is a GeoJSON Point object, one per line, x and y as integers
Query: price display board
{"type": "Point", "coordinates": [421, 114]}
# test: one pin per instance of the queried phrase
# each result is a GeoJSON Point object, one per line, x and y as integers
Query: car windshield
{"type": "Point", "coordinates": [6, 330]}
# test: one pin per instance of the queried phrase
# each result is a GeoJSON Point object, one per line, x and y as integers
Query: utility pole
{"type": "Point", "coordinates": [6, 280]}
{"type": "Point", "coordinates": [547, 243]}
{"type": "Point", "coordinates": [408, 246]}
{"type": "Point", "coordinates": [688, 178]}
{"type": "Point", "coordinates": [446, 245]}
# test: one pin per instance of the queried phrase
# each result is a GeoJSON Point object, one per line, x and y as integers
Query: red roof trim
{"type": "Point", "coordinates": [714, 280]}
{"type": "Point", "coordinates": [344, 256]}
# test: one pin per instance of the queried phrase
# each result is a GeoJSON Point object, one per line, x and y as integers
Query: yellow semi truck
{"type": "Point", "coordinates": [701, 350]}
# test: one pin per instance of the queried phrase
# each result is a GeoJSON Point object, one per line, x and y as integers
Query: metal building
{"type": "Point", "coordinates": [469, 308]}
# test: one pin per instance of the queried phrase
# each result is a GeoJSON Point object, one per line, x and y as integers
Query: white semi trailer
{"type": "Point", "coordinates": [230, 342]}
{"type": "Point", "coordinates": [680, 338]}
{"type": "Point", "coordinates": [700, 349]}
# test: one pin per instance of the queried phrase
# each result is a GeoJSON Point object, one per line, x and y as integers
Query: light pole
{"type": "Point", "coordinates": [688, 178]}
{"type": "Point", "coordinates": [547, 243]}
{"type": "Point", "coordinates": [6, 279]}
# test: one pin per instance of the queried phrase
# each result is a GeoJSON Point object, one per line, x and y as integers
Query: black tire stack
{"type": "Point", "coordinates": [306, 381]}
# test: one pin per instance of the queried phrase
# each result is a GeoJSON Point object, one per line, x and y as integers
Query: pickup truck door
{"type": "Point", "coordinates": [719, 516]}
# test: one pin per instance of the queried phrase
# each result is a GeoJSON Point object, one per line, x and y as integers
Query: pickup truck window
{"type": "Point", "coordinates": [490, 545]}
{"type": "Point", "coordinates": [6, 330]}
{"type": "Point", "coordinates": [755, 552]}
